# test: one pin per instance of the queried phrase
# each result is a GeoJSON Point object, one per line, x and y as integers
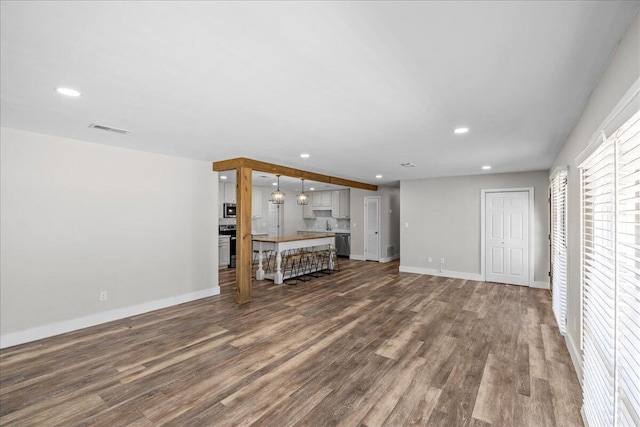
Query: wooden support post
{"type": "Point", "coordinates": [244, 250]}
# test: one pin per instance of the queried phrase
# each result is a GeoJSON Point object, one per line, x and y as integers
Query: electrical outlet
{"type": "Point", "coordinates": [406, 225]}
{"type": "Point", "coordinates": [441, 260]}
{"type": "Point", "coordinates": [103, 295]}
{"type": "Point", "coordinates": [430, 259]}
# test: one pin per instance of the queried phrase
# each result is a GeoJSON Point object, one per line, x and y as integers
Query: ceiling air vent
{"type": "Point", "coordinates": [109, 129]}
{"type": "Point", "coordinates": [407, 165]}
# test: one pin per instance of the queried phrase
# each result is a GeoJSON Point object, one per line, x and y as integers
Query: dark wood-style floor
{"type": "Point", "coordinates": [366, 346]}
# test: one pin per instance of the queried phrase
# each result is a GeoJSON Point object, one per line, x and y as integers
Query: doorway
{"type": "Point", "coordinates": [507, 225]}
{"type": "Point", "coordinates": [372, 228]}
{"type": "Point", "coordinates": [276, 220]}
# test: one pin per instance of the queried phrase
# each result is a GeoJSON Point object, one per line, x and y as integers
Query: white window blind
{"type": "Point", "coordinates": [611, 279]}
{"type": "Point", "coordinates": [628, 283]}
{"type": "Point", "coordinates": [559, 247]}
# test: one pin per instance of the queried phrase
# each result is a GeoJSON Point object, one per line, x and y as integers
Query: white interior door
{"type": "Point", "coordinates": [276, 220]}
{"type": "Point", "coordinates": [507, 237]}
{"type": "Point", "coordinates": [372, 228]}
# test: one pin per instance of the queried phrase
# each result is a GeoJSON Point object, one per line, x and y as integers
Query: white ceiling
{"type": "Point", "coordinates": [361, 86]}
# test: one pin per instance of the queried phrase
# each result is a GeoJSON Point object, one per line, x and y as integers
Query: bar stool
{"type": "Point", "coordinates": [316, 263]}
{"type": "Point", "coordinates": [254, 262]}
{"type": "Point", "coordinates": [304, 266]}
{"type": "Point", "coordinates": [323, 261]}
{"type": "Point", "coordinates": [291, 265]}
{"type": "Point", "coordinates": [333, 253]}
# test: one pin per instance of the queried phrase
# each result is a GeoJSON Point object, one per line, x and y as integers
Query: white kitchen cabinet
{"type": "Point", "coordinates": [345, 203]}
{"type": "Point", "coordinates": [256, 202]}
{"type": "Point", "coordinates": [321, 200]}
{"type": "Point", "coordinates": [340, 204]}
{"type": "Point", "coordinates": [229, 193]}
{"type": "Point", "coordinates": [224, 251]}
{"type": "Point", "coordinates": [335, 204]}
{"type": "Point", "coordinates": [316, 199]}
{"type": "Point", "coordinates": [307, 211]}
{"type": "Point", "coordinates": [326, 198]}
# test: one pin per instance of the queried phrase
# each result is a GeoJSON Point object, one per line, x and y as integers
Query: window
{"type": "Point", "coordinates": [611, 279]}
{"type": "Point", "coordinates": [559, 247]}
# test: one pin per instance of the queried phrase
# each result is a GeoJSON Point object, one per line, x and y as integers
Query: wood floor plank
{"type": "Point", "coordinates": [366, 346]}
{"type": "Point", "coordinates": [381, 410]}
{"type": "Point", "coordinates": [415, 407]}
{"type": "Point", "coordinates": [497, 385]}
{"type": "Point", "coordinates": [566, 403]}
{"type": "Point", "coordinates": [533, 410]}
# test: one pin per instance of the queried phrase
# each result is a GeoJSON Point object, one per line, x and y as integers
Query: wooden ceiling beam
{"type": "Point", "coordinates": [256, 165]}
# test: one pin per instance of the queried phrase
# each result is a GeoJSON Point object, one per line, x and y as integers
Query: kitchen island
{"type": "Point", "coordinates": [282, 244]}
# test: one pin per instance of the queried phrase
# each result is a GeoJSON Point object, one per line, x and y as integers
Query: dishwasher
{"type": "Point", "coordinates": [343, 245]}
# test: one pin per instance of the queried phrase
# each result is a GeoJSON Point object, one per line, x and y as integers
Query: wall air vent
{"type": "Point", "coordinates": [407, 165]}
{"type": "Point", "coordinates": [109, 129]}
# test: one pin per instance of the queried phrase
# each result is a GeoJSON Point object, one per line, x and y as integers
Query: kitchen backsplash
{"type": "Point", "coordinates": [226, 221]}
{"type": "Point", "coordinates": [320, 222]}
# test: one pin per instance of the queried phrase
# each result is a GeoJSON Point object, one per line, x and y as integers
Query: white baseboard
{"type": "Point", "coordinates": [443, 273]}
{"type": "Point", "coordinates": [356, 257]}
{"type": "Point", "coordinates": [40, 332]}
{"type": "Point", "coordinates": [576, 355]}
{"type": "Point", "coordinates": [540, 285]}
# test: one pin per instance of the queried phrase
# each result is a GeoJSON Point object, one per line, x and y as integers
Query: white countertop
{"type": "Point", "coordinates": [337, 230]}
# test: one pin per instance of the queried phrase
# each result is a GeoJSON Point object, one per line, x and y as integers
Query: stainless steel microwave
{"type": "Point", "coordinates": [229, 210]}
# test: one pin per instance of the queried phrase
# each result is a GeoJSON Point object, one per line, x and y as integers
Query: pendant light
{"type": "Point", "coordinates": [277, 196]}
{"type": "Point", "coordinates": [302, 198]}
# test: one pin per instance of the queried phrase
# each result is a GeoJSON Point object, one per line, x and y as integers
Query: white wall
{"type": "Point", "coordinates": [389, 222]}
{"type": "Point", "coordinates": [621, 72]}
{"type": "Point", "coordinates": [444, 221]}
{"type": "Point", "coordinates": [78, 218]}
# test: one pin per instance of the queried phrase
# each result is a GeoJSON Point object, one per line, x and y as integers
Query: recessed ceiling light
{"type": "Point", "coordinates": [223, 177]}
{"type": "Point", "coordinates": [407, 165]}
{"type": "Point", "coordinates": [305, 155]}
{"type": "Point", "coordinates": [312, 189]}
{"type": "Point", "coordinates": [274, 184]}
{"type": "Point", "coordinates": [67, 91]}
{"type": "Point", "coordinates": [378, 176]}
{"type": "Point", "coordinates": [461, 130]}
{"type": "Point", "coordinates": [486, 167]}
